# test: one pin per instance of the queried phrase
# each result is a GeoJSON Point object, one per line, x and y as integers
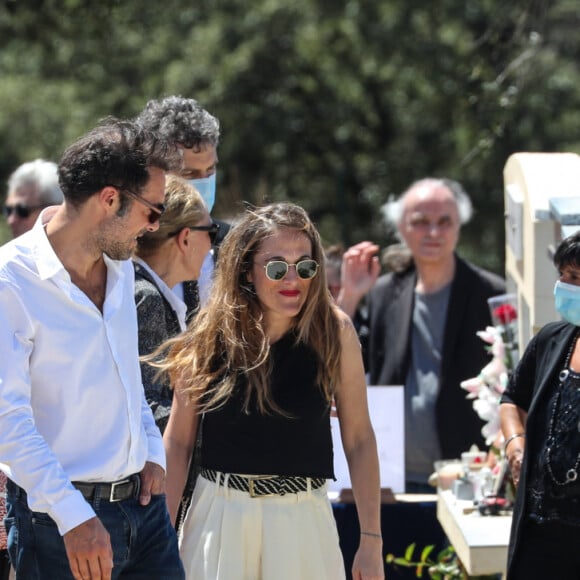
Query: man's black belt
{"type": "Point", "coordinates": [114, 491]}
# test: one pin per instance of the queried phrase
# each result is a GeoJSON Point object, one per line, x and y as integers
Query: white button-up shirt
{"type": "Point", "coordinates": [72, 405]}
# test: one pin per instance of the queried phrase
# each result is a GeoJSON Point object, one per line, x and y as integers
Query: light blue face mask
{"type": "Point", "coordinates": [567, 300]}
{"type": "Point", "coordinates": [206, 188]}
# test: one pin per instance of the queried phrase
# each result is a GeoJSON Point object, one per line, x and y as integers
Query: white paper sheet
{"type": "Point", "coordinates": [387, 411]}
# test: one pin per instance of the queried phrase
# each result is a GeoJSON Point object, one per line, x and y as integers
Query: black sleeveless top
{"type": "Point", "coordinates": [273, 444]}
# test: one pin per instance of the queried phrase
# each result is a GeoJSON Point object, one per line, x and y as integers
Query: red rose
{"type": "Point", "coordinates": [505, 313]}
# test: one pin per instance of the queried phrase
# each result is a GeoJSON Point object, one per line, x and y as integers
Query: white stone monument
{"type": "Point", "coordinates": [542, 206]}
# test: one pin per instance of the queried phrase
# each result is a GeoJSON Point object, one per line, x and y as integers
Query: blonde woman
{"type": "Point", "coordinates": [261, 364]}
{"type": "Point", "coordinates": [174, 253]}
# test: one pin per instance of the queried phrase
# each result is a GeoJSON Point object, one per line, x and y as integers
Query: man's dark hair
{"type": "Point", "coordinates": [116, 153]}
{"type": "Point", "coordinates": [181, 121]}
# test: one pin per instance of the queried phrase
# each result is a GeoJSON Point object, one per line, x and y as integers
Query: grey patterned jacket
{"type": "Point", "coordinates": [157, 322]}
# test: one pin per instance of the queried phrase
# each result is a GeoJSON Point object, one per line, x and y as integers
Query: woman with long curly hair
{"type": "Point", "coordinates": [256, 372]}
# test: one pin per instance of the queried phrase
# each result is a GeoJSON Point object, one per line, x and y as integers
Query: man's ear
{"type": "Point", "coordinates": [110, 197]}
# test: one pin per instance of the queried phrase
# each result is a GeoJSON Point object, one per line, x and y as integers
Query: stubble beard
{"type": "Point", "coordinates": [108, 243]}
{"type": "Point", "coordinates": [118, 251]}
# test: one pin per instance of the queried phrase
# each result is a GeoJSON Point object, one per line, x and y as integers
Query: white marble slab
{"type": "Point", "coordinates": [481, 542]}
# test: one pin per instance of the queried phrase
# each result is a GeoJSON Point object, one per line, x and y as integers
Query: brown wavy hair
{"type": "Point", "coordinates": [227, 338]}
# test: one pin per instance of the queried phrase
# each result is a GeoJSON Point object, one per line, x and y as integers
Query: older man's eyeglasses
{"type": "Point", "coordinates": [20, 210]}
{"type": "Point", "coordinates": [157, 209]}
{"type": "Point", "coordinates": [276, 270]}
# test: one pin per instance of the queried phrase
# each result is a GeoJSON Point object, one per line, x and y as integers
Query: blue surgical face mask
{"type": "Point", "coordinates": [567, 300]}
{"type": "Point", "coordinates": [206, 188]}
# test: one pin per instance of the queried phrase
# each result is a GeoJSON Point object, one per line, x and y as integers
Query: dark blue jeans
{"type": "Point", "coordinates": [143, 540]}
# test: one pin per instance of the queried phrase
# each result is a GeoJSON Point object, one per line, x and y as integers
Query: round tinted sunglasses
{"type": "Point", "coordinates": [22, 211]}
{"type": "Point", "coordinates": [277, 269]}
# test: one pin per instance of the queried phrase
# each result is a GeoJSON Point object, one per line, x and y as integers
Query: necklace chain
{"type": "Point", "coordinates": [572, 473]}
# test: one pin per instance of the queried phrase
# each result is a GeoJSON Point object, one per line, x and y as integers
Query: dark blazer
{"type": "Point", "coordinates": [157, 322]}
{"type": "Point", "coordinates": [536, 373]}
{"type": "Point", "coordinates": [388, 355]}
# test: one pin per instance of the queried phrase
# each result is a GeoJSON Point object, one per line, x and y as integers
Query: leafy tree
{"type": "Point", "coordinates": [338, 105]}
{"type": "Point", "coordinates": [333, 105]}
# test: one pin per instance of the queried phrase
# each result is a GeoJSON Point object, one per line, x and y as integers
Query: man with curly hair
{"type": "Point", "coordinates": [185, 123]}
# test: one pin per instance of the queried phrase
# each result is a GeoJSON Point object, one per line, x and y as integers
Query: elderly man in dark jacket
{"type": "Point", "coordinates": [423, 320]}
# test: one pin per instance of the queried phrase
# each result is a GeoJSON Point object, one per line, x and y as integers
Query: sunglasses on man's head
{"type": "Point", "coordinates": [277, 269]}
{"type": "Point", "coordinates": [22, 211]}
{"type": "Point", "coordinates": [157, 209]}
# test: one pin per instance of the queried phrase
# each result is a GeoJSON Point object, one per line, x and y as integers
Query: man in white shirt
{"type": "Point", "coordinates": [77, 438]}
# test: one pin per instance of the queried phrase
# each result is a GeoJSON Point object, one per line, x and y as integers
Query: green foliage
{"type": "Point", "coordinates": [5, 233]}
{"type": "Point", "coordinates": [446, 566]}
{"type": "Point", "coordinates": [331, 105]}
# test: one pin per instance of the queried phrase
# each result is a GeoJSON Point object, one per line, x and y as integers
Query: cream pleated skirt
{"type": "Point", "coordinates": [228, 535]}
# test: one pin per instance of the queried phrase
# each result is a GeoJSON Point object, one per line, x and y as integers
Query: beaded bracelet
{"type": "Point", "coordinates": [372, 534]}
{"type": "Point", "coordinates": [510, 439]}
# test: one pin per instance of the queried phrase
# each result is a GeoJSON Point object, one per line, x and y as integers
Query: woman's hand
{"type": "Point", "coordinates": [368, 561]}
{"type": "Point", "coordinates": [513, 426]}
{"type": "Point", "coordinates": [515, 459]}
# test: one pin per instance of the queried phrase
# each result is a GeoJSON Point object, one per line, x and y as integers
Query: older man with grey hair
{"type": "Point", "coordinates": [423, 320]}
{"type": "Point", "coordinates": [32, 187]}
